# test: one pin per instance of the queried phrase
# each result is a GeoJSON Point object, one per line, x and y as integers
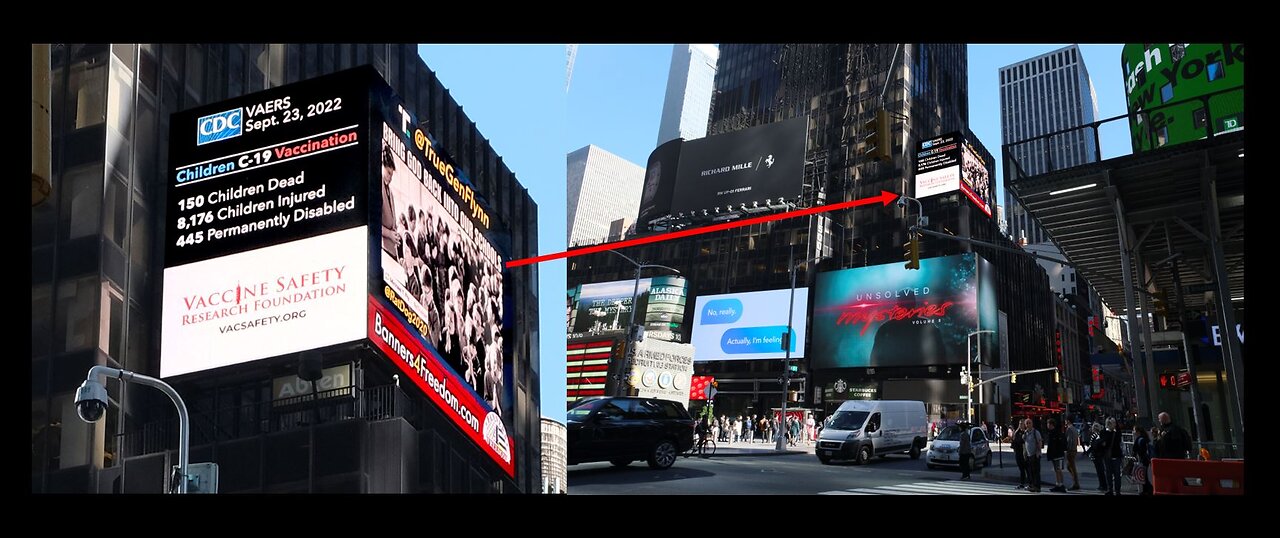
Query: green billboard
{"type": "Point", "coordinates": [1181, 75]}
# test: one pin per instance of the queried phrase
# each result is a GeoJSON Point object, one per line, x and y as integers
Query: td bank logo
{"type": "Point", "coordinates": [220, 126]}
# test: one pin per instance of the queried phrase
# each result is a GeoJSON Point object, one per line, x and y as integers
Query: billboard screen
{"type": "Point", "coordinates": [938, 165]}
{"type": "Point", "coordinates": [662, 370]}
{"type": "Point", "coordinates": [887, 315]}
{"type": "Point", "coordinates": [751, 165]}
{"type": "Point", "coordinates": [604, 308]}
{"type": "Point", "coordinates": [659, 182]}
{"type": "Point", "coordinates": [975, 180]}
{"type": "Point", "coordinates": [437, 305]}
{"type": "Point", "coordinates": [748, 325]}
{"type": "Point", "coordinates": [266, 240]}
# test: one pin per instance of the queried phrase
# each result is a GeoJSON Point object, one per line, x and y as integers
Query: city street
{"type": "Point", "coordinates": [792, 474]}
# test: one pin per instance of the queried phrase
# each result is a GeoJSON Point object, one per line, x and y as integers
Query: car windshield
{"type": "Point", "coordinates": [847, 420]}
{"type": "Point", "coordinates": [950, 433]}
{"type": "Point", "coordinates": [579, 413]}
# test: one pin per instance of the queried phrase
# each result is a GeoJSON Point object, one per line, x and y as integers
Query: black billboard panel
{"type": "Point", "coordinates": [659, 182]}
{"type": "Point", "coordinates": [752, 165]}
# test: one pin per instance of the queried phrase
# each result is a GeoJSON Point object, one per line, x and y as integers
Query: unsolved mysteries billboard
{"type": "Point", "coordinates": [742, 167]}
{"type": "Point", "coordinates": [886, 315]}
{"type": "Point", "coordinates": [748, 325]}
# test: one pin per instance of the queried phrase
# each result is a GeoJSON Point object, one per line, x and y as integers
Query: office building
{"type": "Point", "coordinates": [690, 82]}
{"type": "Point", "coordinates": [554, 456]}
{"type": "Point", "coordinates": [602, 188]}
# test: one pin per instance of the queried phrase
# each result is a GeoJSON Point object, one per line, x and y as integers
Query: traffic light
{"type": "Point", "coordinates": [1013, 378]}
{"type": "Point", "coordinates": [1177, 380]}
{"type": "Point", "coordinates": [793, 367]}
{"type": "Point", "coordinates": [877, 138]}
{"type": "Point", "coordinates": [1056, 377]}
{"type": "Point", "coordinates": [911, 253]}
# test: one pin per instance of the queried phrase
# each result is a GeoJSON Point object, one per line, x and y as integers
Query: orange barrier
{"type": "Point", "coordinates": [1194, 477]}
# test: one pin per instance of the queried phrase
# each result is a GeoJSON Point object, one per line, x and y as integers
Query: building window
{"type": "Point", "coordinates": [1215, 71]}
{"type": "Point", "coordinates": [1166, 93]}
{"type": "Point", "coordinates": [1073, 277]}
{"type": "Point", "coordinates": [1064, 277]}
{"type": "Point", "coordinates": [1162, 136]}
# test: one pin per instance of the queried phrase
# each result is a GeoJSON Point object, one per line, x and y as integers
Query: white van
{"type": "Point", "coordinates": [860, 429]}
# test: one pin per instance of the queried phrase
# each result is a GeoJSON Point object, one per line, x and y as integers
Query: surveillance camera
{"type": "Point", "coordinates": [91, 401]}
{"type": "Point", "coordinates": [902, 201]}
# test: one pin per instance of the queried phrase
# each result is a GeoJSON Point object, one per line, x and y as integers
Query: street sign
{"type": "Point", "coordinates": [1199, 288]}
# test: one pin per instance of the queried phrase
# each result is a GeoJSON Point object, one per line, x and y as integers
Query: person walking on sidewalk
{"type": "Point", "coordinates": [1097, 452]}
{"type": "Point", "coordinates": [1142, 451]}
{"type": "Point", "coordinates": [1114, 454]}
{"type": "Point", "coordinates": [1034, 444]}
{"type": "Point", "coordinates": [1057, 454]}
{"type": "Point", "coordinates": [1174, 442]}
{"type": "Point", "coordinates": [749, 429]}
{"type": "Point", "coordinates": [966, 453]}
{"type": "Point", "coordinates": [1018, 442]}
{"type": "Point", "coordinates": [1073, 443]}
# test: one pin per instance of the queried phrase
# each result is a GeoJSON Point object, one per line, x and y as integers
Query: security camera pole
{"type": "Point", "coordinates": [184, 422]}
{"type": "Point", "coordinates": [786, 361]}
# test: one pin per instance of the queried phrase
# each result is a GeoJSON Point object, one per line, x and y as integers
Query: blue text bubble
{"type": "Point", "coordinates": [740, 340]}
{"type": "Point", "coordinates": [721, 311]}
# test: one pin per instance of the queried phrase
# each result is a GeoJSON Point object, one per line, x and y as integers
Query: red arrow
{"type": "Point", "coordinates": [884, 198]}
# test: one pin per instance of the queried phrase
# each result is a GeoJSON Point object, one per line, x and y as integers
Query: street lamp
{"type": "Point", "coordinates": [786, 347]}
{"type": "Point", "coordinates": [969, 352]}
{"type": "Point", "coordinates": [632, 336]}
{"type": "Point", "coordinates": [91, 404]}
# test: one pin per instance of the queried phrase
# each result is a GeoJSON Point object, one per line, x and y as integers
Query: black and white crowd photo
{"type": "Point", "coordinates": [450, 281]}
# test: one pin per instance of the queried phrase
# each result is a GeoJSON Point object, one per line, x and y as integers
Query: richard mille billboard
{"type": "Point", "coordinates": [756, 165]}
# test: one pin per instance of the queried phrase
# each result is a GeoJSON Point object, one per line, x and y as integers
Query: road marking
{"type": "Point", "coordinates": [945, 487]}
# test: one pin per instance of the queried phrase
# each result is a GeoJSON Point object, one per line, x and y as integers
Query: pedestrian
{"type": "Point", "coordinates": [1097, 452]}
{"type": "Point", "coordinates": [1017, 445]}
{"type": "Point", "coordinates": [1057, 442]}
{"type": "Point", "coordinates": [810, 428]}
{"type": "Point", "coordinates": [966, 453]}
{"type": "Point", "coordinates": [1115, 452]}
{"type": "Point", "coordinates": [1142, 451]}
{"type": "Point", "coordinates": [796, 430]}
{"type": "Point", "coordinates": [1073, 445]}
{"type": "Point", "coordinates": [762, 429]}
{"type": "Point", "coordinates": [749, 428]}
{"type": "Point", "coordinates": [1174, 442]}
{"type": "Point", "coordinates": [1034, 443]}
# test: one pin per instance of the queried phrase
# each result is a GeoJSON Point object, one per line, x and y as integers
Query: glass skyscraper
{"type": "Point", "coordinates": [689, 84]}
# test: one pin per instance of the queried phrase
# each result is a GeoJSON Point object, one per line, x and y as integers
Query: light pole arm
{"type": "Point", "coordinates": [184, 421]}
{"type": "Point", "coordinates": [1010, 374]}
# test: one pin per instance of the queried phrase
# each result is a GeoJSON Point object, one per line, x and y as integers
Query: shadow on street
{"type": "Point", "coordinates": [594, 474]}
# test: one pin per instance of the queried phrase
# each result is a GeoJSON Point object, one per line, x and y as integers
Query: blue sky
{"type": "Point", "coordinates": [516, 95]}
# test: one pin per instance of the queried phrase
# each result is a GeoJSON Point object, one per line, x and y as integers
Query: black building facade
{"type": "Point", "coordinates": [840, 87]}
{"type": "Point", "coordinates": [97, 254]}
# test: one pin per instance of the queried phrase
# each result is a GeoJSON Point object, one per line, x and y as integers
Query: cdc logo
{"type": "Point", "coordinates": [926, 144]}
{"type": "Point", "coordinates": [220, 126]}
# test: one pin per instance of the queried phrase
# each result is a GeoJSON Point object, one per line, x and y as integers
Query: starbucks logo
{"type": "Point", "coordinates": [841, 386]}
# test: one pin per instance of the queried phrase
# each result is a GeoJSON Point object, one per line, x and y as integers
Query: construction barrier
{"type": "Point", "coordinates": [1194, 477]}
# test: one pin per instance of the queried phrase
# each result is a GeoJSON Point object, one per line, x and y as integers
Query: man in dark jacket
{"type": "Point", "coordinates": [1016, 445]}
{"type": "Point", "coordinates": [1174, 442]}
{"type": "Point", "coordinates": [1057, 454]}
{"type": "Point", "coordinates": [966, 453]}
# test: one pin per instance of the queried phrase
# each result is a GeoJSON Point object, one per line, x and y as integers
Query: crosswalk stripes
{"type": "Point", "coordinates": [944, 487]}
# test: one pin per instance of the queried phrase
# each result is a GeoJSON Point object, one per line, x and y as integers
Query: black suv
{"type": "Point", "coordinates": [621, 430]}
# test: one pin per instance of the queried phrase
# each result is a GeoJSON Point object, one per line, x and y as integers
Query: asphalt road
{"type": "Point", "coordinates": [793, 474]}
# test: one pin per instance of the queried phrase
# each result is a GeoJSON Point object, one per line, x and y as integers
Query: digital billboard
{"type": "Point", "coordinates": [604, 308]}
{"type": "Point", "coordinates": [938, 165]}
{"type": "Point", "coordinates": [436, 308]}
{"type": "Point", "coordinates": [659, 182]}
{"type": "Point", "coordinates": [887, 315]}
{"type": "Point", "coordinates": [266, 213]}
{"type": "Point", "coordinates": [748, 325]}
{"type": "Point", "coordinates": [1175, 77]}
{"type": "Point", "coordinates": [975, 180]}
{"type": "Point", "coordinates": [742, 167]}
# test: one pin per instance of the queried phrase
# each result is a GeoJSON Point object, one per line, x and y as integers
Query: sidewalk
{"type": "Point", "coordinates": [1084, 468]}
{"type": "Point", "coordinates": [757, 448]}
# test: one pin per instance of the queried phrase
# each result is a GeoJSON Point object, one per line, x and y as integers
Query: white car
{"type": "Point", "coordinates": [945, 448]}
